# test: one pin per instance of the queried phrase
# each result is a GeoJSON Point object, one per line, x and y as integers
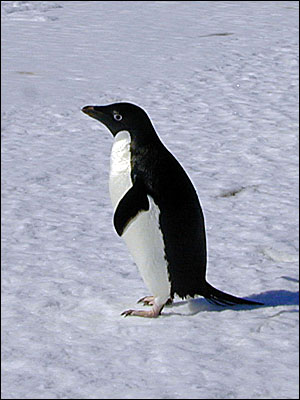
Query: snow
{"type": "Point", "coordinates": [220, 83]}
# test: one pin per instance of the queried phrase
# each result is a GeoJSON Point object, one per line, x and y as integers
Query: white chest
{"type": "Point", "coordinates": [143, 235]}
{"type": "Point", "coordinates": [120, 168]}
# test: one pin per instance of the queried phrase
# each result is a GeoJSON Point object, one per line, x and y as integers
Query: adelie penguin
{"type": "Point", "coordinates": [156, 211]}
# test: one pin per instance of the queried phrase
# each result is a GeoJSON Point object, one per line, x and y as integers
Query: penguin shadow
{"type": "Point", "coordinates": [271, 298]}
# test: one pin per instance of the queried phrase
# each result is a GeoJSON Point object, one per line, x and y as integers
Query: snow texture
{"type": "Point", "coordinates": [220, 83]}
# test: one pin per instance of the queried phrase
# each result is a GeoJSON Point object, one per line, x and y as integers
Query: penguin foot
{"type": "Point", "coordinates": [153, 313]}
{"type": "Point", "coordinates": [149, 301]}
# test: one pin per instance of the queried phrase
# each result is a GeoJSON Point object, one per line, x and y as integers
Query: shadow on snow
{"type": "Point", "coordinates": [272, 298]}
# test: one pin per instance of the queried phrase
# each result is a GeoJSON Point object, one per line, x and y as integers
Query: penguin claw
{"type": "Point", "coordinates": [153, 313]}
{"type": "Point", "coordinates": [147, 300]}
{"type": "Point", "coordinates": [127, 312]}
{"type": "Point", "coordinates": [141, 313]}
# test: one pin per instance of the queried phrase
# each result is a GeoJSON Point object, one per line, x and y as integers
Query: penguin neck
{"type": "Point", "coordinates": [144, 136]}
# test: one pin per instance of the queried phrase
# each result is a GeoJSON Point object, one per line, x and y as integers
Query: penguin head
{"type": "Point", "coordinates": [122, 117]}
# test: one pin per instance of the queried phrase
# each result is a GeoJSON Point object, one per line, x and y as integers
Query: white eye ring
{"type": "Point", "coordinates": [118, 117]}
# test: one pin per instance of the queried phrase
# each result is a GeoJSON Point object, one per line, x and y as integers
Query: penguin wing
{"type": "Point", "coordinates": [133, 202]}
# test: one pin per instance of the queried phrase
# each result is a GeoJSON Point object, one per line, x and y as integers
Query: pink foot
{"type": "Point", "coordinates": [153, 313]}
{"type": "Point", "coordinates": [149, 301]}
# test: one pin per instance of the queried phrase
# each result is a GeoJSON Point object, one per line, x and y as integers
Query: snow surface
{"type": "Point", "coordinates": [220, 83]}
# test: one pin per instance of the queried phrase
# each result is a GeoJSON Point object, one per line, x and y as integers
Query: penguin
{"type": "Point", "coordinates": [156, 211]}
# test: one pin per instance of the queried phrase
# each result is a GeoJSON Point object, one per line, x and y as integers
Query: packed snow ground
{"type": "Point", "coordinates": [220, 83]}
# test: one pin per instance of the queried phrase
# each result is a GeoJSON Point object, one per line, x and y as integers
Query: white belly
{"type": "Point", "coordinates": [142, 236]}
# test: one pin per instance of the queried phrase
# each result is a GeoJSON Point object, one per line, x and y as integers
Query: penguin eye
{"type": "Point", "coordinates": [117, 117]}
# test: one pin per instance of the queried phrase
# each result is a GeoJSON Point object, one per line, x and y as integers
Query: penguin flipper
{"type": "Point", "coordinates": [133, 202]}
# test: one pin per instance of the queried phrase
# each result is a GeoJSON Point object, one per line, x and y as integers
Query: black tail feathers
{"type": "Point", "coordinates": [215, 296]}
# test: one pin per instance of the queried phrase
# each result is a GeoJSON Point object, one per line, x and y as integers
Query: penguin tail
{"type": "Point", "coordinates": [220, 298]}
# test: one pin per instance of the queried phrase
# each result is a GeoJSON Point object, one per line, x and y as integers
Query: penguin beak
{"type": "Point", "coordinates": [87, 109]}
{"type": "Point", "coordinates": [90, 110]}
{"type": "Point", "coordinates": [100, 113]}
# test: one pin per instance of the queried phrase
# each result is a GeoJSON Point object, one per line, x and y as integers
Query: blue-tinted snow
{"type": "Point", "coordinates": [220, 82]}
